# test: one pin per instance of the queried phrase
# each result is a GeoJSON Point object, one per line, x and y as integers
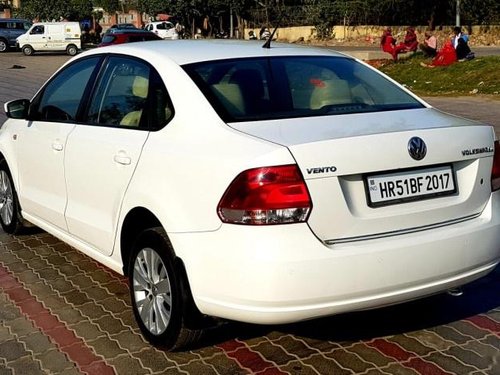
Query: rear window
{"type": "Point", "coordinates": [289, 87]}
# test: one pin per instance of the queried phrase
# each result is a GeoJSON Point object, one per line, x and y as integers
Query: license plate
{"type": "Point", "coordinates": [410, 185]}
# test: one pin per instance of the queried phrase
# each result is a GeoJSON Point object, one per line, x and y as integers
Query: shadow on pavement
{"type": "Point", "coordinates": [478, 297]}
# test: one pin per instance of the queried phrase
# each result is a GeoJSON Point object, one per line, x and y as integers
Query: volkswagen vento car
{"type": "Point", "coordinates": [262, 185]}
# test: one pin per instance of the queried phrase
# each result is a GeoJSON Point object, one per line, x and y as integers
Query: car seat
{"type": "Point", "coordinates": [140, 87]}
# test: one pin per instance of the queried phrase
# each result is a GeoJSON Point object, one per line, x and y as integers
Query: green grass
{"type": "Point", "coordinates": [480, 76]}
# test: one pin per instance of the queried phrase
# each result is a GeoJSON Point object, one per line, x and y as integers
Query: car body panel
{"type": "Point", "coordinates": [296, 131]}
{"type": "Point", "coordinates": [41, 148]}
{"type": "Point", "coordinates": [93, 217]}
{"type": "Point", "coordinates": [289, 275]}
{"type": "Point", "coordinates": [127, 36]}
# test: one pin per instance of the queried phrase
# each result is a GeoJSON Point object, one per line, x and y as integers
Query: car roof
{"type": "Point", "coordinates": [56, 23]}
{"type": "Point", "coordinates": [131, 31]}
{"type": "Point", "coordinates": [125, 25]}
{"type": "Point", "coordinates": [14, 20]}
{"type": "Point", "coordinates": [192, 51]}
{"type": "Point", "coordinates": [157, 22]}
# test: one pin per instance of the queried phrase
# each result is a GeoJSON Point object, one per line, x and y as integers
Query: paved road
{"type": "Point", "coordinates": [62, 313]}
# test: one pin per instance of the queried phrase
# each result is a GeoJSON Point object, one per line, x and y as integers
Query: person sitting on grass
{"type": "Point", "coordinates": [462, 49]}
{"type": "Point", "coordinates": [429, 46]}
{"type": "Point", "coordinates": [445, 56]}
{"type": "Point", "coordinates": [410, 41]}
{"type": "Point", "coordinates": [388, 44]}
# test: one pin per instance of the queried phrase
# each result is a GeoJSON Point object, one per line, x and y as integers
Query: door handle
{"type": "Point", "coordinates": [122, 158]}
{"type": "Point", "coordinates": [57, 146]}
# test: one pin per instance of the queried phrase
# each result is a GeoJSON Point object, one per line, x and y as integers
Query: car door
{"type": "Point", "coordinates": [55, 37]}
{"type": "Point", "coordinates": [41, 143]}
{"type": "Point", "coordinates": [37, 38]}
{"type": "Point", "coordinates": [103, 154]}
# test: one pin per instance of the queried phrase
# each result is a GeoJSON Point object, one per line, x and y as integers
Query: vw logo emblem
{"type": "Point", "coordinates": [417, 148]}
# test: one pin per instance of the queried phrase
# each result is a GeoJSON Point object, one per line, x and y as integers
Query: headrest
{"type": "Point", "coordinates": [140, 87]}
{"type": "Point", "coordinates": [250, 82]}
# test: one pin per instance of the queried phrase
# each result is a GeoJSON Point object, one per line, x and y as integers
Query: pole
{"type": "Point", "coordinates": [231, 25]}
{"type": "Point", "coordinates": [457, 21]}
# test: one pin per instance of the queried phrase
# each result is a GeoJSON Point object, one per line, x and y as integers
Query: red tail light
{"type": "Point", "coordinates": [495, 171]}
{"type": "Point", "coordinates": [268, 195]}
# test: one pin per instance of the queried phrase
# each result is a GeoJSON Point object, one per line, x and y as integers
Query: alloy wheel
{"type": "Point", "coordinates": [6, 198]}
{"type": "Point", "coordinates": [152, 291]}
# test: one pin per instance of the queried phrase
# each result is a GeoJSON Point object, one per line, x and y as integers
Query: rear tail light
{"type": "Point", "coordinates": [268, 195]}
{"type": "Point", "coordinates": [495, 171]}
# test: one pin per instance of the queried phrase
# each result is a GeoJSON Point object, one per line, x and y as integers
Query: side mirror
{"type": "Point", "coordinates": [17, 109]}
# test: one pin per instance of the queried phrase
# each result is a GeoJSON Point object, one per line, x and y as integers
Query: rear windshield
{"type": "Point", "coordinates": [288, 87]}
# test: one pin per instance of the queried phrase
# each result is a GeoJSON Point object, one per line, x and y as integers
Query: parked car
{"type": "Point", "coordinates": [262, 185]}
{"type": "Point", "coordinates": [164, 29]}
{"type": "Point", "coordinates": [10, 29]}
{"type": "Point", "coordinates": [123, 26]}
{"type": "Point", "coordinates": [51, 37]}
{"type": "Point", "coordinates": [127, 36]}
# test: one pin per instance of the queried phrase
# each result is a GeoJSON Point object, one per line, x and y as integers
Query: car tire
{"type": "Point", "coordinates": [10, 213]}
{"type": "Point", "coordinates": [28, 50]}
{"type": "Point", "coordinates": [71, 50]}
{"type": "Point", "coordinates": [4, 45]}
{"type": "Point", "coordinates": [156, 292]}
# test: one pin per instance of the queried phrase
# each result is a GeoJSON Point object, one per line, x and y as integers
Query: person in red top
{"type": "Point", "coordinates": [388, 43]}
{"type": "Point", "coordinates": [444, 57]}
{"type": "Point", "coordinates": [410, 41]}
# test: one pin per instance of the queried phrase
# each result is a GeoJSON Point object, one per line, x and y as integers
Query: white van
{"type": "Point", "coordinates": [51, 36]}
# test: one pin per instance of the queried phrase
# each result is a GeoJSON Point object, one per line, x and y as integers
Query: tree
{"type": "Point", "coordinates": [322, 14]}
{"type": "Point", "coordinates": [480, 12]}
{"type": "Point", "coordinates": [152, 7]}
{"type": "Point", "coordinates": [109, 6]}
{"type": "Point", "coordinates": [48, 10]}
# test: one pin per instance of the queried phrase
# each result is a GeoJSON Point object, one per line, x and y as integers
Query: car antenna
{"type": "Point", "coordinates": [267, 44]}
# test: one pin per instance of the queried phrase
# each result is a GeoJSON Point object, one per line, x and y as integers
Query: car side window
{"type": "Point", "coordinates": [37, 30]}
{"type": "Point", "coordinates": [129, 94]}
{"type": "Point", "coordinates": [60, 98]}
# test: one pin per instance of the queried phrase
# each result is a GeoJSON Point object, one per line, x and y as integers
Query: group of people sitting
{"type": "Point", "coordinates": [456, 48]}
{"type": "Point", "coordinates": [388, 42]}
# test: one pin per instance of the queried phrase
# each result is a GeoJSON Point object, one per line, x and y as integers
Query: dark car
{"type": "Point", "coordinates": [124, 26]}
{"type": "Point", "coordinates": [127, 36]}
{"type": "Point", "coordinates": [10, 29]}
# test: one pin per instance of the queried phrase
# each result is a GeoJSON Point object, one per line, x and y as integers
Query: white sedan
{"type": "Point", "coordinates": [263, 185]}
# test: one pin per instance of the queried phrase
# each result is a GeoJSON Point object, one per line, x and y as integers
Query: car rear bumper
{"type": "Point", "coordinates": [284, 274]}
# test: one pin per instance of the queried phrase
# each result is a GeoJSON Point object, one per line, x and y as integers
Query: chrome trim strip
{"type": "Point", "coordinates": [400, 232]}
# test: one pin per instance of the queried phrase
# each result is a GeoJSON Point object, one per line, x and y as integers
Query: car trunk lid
{"type": "Point", "coordinates": [342, 157]}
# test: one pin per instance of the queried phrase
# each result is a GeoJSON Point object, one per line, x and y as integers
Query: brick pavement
{"type": "Point", "coordinates": [63, 313]}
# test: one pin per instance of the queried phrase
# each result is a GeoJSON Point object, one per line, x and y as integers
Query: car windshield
{"type": "Point", "coordinates": [295, 86]}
